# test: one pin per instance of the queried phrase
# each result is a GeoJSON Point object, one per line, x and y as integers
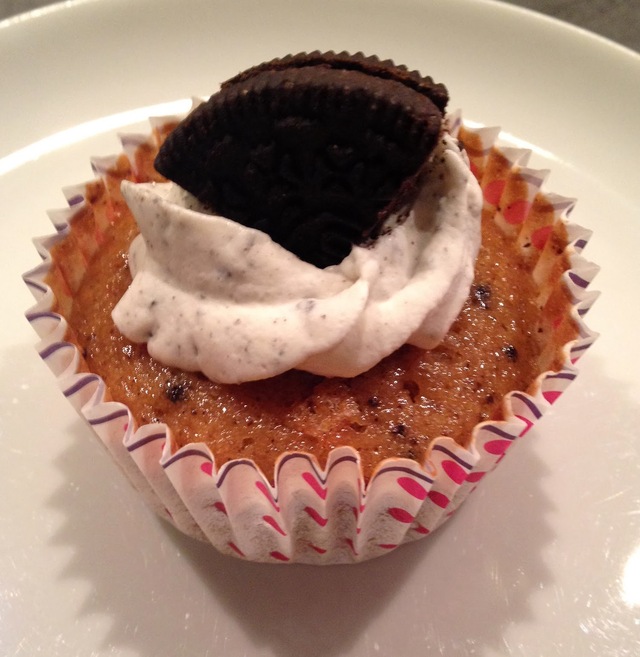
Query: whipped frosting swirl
{"type": "Point", "coordinates": [211, 295]}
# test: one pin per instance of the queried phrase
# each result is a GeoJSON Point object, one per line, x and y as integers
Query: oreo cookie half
{"type": "Point", "coordinates": [315, 150]}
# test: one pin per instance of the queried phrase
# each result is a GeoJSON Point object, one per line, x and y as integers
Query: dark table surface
{"type": "Point", "coordinates": [618, 20]}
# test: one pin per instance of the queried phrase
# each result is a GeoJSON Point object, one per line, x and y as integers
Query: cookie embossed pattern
{"type": "Point", "coordinates": [304, 512]}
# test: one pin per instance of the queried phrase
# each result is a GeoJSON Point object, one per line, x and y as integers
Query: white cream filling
{"type": "Point", "coordinates": [211, 295]}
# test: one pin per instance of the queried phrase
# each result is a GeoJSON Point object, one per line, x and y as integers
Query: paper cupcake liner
{"type": "Point", "coordinates": [314, 514]}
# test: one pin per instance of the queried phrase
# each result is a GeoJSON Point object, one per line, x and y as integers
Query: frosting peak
{"type": "Point", "coordinates": [211, 295]}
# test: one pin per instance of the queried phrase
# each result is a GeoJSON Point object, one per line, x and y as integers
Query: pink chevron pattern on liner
{"type": "Point", "coordinates": [315, 514]}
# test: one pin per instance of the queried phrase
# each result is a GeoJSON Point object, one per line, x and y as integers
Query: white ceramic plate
{"type": "Point", "coordinates": [543, 560]}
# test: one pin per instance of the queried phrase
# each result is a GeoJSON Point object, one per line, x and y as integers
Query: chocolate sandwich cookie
{"type": "Point", "coordinates": [371, 65]}
{"type": "Point", "coordinates": [316, 150]}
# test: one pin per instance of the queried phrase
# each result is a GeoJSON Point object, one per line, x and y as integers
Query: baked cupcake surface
{"type": "Point", "coordinates": [513, 330]}
{"type": "Point", "coordinates": [395, 409]}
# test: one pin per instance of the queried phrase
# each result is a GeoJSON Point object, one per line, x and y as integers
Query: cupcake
{"type": "Point", "coordinates": [308, 318]}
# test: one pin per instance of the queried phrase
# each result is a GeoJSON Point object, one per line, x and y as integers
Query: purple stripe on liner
{"type": "Point", "coordinates": [562, 375]}
{"type": "Point", "coordinates": [107, 418]}
{"type": "Point", "coordinates": [312, 463]}
{"type": "Point", "coordinates": [144, 441]}
{"type": "Point", "coordinates": [306, 457]}
{"type": "Point", "coordinates": [580, 244]}
{"type": "Point", "coordinates": [31, 283]}
{"type": "Point", "coordinates": [583, 311]}
{"type": "Point", "coordinates": [232, 464]}
{"type": "Point", "coordinates": [288, 457]}
{"type": "Point", "coordinates": [191, 452]}
{"type": "Point", "coordinates": [52, 348]}
{"type": "Point", "coordinates": [529, 404]}
{"type": "Point", "coordinates": [578, 280]}
{"type": "Point", "coordinates": [499, 432]}
{"type": "Point", "coordinates": [455, 457]}
{"type": "Point", "coordinates": [79, 385]}
{"type": "Point", "coordinates": [75, 200]}
{"type": "Point", "coordinates": [342, 459]}
{"type": "Point", "coordinates": [399, 468]}
{"type": "Point", "coordinates": [581, 347]}
{"type": "Point", "coordinates": [41, 315]}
